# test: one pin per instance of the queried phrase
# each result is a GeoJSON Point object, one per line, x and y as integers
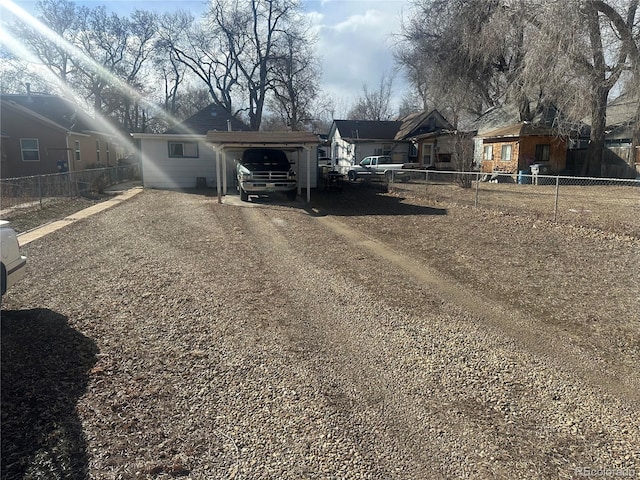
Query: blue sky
{"type": "Point", "coordinates": [354, 39]}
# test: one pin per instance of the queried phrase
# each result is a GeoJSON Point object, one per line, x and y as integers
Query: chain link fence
{"type": "Point", "coordinates": [604, 203]}
{"type": "Point", "coordinates": [34, 192]}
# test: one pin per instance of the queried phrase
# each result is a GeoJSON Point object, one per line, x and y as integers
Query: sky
{"type": "Point", "coordinates": [354, 39]}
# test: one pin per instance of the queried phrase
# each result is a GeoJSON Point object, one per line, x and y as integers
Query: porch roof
{"type": "Point", "coordinates": [523, 129]}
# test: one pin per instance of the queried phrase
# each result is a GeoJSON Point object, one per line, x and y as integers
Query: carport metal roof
{"type": "Point", "coordinates": [283, 140]}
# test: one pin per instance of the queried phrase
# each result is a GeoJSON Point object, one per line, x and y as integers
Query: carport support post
{"type": "Point", "coordinates": [218, 188]}
{"type": "Point", "coordinates": [224, 176]}
{"type": "Point", "coordinates": [308, 174]}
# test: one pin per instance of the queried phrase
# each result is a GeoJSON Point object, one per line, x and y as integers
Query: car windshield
{"type": "Point", "coordinates": [263, 159]}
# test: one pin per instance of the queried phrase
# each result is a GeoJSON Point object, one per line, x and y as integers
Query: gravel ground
{"type": "Point", "coordinates": [369, 337]}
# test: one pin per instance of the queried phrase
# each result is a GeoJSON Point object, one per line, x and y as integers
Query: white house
{"type": "Point", "coordinates": [171, 161]}
{"type": "Point", "coordinates": [181, 157]}
{"type": "Point", "coordinates": [352, 140]}
{"type": "Point", "coordinates": [192, 153]}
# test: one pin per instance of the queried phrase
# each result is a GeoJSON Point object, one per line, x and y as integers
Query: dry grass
{"type": "Point", "coordinates": [372, 336]}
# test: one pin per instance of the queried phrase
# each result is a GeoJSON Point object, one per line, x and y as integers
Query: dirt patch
{"type": "Point", "coordinates": [30, 217]}
{"type": "Point", "coordinates": [366, 335]}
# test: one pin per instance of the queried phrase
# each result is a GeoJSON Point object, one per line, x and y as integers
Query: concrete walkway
{"type": "Point", "coordinates": [28, 237]}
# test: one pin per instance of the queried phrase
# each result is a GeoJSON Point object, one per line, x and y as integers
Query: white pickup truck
{"type": "Point", "coordinates": [12, 267]}
{"type": "Point", "coordinates": [379, 165]}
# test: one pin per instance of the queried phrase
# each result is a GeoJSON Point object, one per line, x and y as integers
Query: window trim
{"type": "Point", "coordinates": [23, 149]}
{"type": "Point", "coordinates": [485, 149]}
{"type": "Point", "coordinates": [183, 143]}
{"type": "Point", "coordinates": [502, 155]}
{"type": "Point", "coordinates": [542, 148]}
{"type": "Point", "coordinates": [77, 151]}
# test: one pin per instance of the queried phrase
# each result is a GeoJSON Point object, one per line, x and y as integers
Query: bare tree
{"type": "Point", "coordinates": [254, 30]}
{"type": "Point", "coordinates": [295, 80]}
{"type": "Point", "coordinates": [577, 68]}
{"type": "Point", "coordinates": [92, 53]}
{"type": "Point", "coordinates": [374, 105]}
{"type": "Point", "coordinates": [532, 53]}
{"type": "Point", "coordinates": [206, 52]}
{"type": "Point", "coordinates": [61, 17]}
{"type": "Point", "coordinates": [472, 48]}
{"type": "Point", "coordinates": [121, 46]}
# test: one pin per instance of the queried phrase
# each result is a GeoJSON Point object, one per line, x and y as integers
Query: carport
{"type": "Point", "coordinates": [224, 142]}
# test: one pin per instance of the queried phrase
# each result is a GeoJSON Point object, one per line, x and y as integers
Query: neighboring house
{"type": "Point", "coordinates": [352, 140]}
{"type": "Point", "coordinates": [504, 143]}
{"type": "Point", "coordinates": [44, 134]}
{"type": "Point", "coordinates": [622, 156]}
{"type": "Point", "coordinates": [516, 147]}
{"type": "Point", "coordinates": [181, 157]}
{"type": "Point", "coordinates": [210, 118]}
{"type": "Point", "coordinates": [433, 138]}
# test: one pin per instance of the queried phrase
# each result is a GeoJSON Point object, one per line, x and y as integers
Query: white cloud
{"type": "Point", "coordinates": [354, 45]}
{"type": "Point", "coordinates": [371, 19]}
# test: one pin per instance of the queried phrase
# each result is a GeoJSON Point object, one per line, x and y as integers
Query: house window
{"type": "Point", "coordinates": [542, 153]}
{"type": "Point", "coordinates": [106, 147]}
{"type": "Point", "coordinates": [30, 149]}
{"type": "Point", "coordinates": [505, 156]}
{"type": "Point", "coordinates": [413, 151]}
{"type": "Point", "coordinates": [488, 153]}
{"type": "Point", "coordinates": [426, 154]}
{"type": "Point", "coordinates": [77, 150]}
{"type": "Point", "coordinates": [386, 149]}
{"type": "Point", "coordinates": [183, 149]}
{"type": "Point", "coordinates": [98, 151]}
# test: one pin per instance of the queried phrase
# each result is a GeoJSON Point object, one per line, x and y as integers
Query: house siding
{"type": "Point", "coordinates": [497, 164]}
{"type": "Point", "coordinates": [51, 145]}
{"type": "Point", "coordinates": [523, 152]}
{"type": "Point", "coordinates": [161, 171]}
{"type": "Point", "coordinates": [164, 172]}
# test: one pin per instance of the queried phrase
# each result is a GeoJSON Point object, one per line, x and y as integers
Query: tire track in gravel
{"type": "Point", "coordinates": [545, 342]}
{"type": "Point", "coordinates": [373, 364]}
{"type": "Point", "coordinates": [392, 443]}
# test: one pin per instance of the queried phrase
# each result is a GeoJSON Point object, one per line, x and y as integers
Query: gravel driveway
{"type": "Point", "coordinates": [369, 337]}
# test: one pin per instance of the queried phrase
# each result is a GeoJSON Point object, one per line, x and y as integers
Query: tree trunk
{"type": "Point", "coordinates": [593, 165]}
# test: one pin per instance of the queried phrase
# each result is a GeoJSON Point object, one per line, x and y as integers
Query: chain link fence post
{"type": "Point", "coordinates": [426, 183]}
{"type": "Point", "coordinates": [477, 188]}
{"type": "Point", "coordinates": [555, 207]}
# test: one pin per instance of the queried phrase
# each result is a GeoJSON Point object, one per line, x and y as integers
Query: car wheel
{"type": "Point", "coordinates": [352, 175]}
{"type": "Point", "coordinates": [244, 196]}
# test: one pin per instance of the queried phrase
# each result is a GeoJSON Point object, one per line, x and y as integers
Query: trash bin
{"type": "Point", "coordinates": [523, 177]}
